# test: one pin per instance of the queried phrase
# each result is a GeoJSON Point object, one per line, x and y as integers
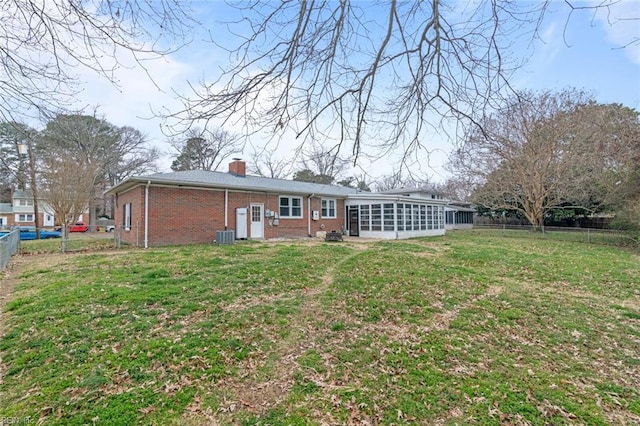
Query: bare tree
{"type": "Point", "coordinates": [264, 163]}
{"type": "Point", "coordinates": [387, 182]}
{"type": "Point", "coordinates": [398, 180]}
{"type": "Point", "coordinates": [43, 43]}
{"type": "Point", "coordinates": [367, 76]}
{"type": "Point", "coordinates": [323, 161]}
{"type": "Point", "coordinates": [113, 153]}
{"type": "Point", "coordinates": [130, 155]}
{"type": "Point", "coordinates": [13, 158]}
{"type": "Point", "coordinates": [456, 189]}
{"type": "Point", "coordinates": [537, 153]}
{"type": "Point", "coordinates": [68, 187]}
{"type": "Point", "coordinates": [204, 149]}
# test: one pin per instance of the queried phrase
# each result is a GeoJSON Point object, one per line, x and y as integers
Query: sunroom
{"type": "Point", "coordinates": [394, 216]}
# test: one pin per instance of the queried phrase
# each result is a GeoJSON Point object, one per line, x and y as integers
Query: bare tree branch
{"type": "Point", "coordinates": [335, 71]}
{"type": "Point", "coordinates": [43, 43]}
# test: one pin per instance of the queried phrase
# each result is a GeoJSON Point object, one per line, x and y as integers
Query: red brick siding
{"type": "Point", "coordinates": [188, 216]}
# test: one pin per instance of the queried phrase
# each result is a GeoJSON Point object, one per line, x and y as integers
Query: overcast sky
{"type": "Point", "coordinates": [587, 52]}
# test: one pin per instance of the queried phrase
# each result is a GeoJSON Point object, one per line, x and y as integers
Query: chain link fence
{"type": "Point", "coordinates": [9, 245]}
{"type": "Point", "coordinates": [585, 235]}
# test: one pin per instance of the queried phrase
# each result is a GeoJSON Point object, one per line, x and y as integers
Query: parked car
{"type": "Point", "coordinates": [29, 233]}
{"type": "Point", "coordinates": [78, 227]}
{"type": "Point", "coordinates": [109, 228]}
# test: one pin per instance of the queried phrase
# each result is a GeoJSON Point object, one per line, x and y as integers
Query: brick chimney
{"type": "Point", "coordinates": [238, 168]}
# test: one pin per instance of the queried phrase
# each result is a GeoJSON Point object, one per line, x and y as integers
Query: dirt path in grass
{"type": "Point", "coordinates": [258, 392]}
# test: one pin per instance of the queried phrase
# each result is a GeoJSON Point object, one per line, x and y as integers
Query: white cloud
{"type": "Point", "coordinates": [621, 22]}
{"type": "Point", "coordinates": [135, 94]}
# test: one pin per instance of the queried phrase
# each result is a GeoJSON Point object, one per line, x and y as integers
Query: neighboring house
{"type": "Point", "coordinates": [190, 206]}
{"type": "Point", "coordinates": [6, 212]}
{"type": "Point", "coordinates": [20, 211]}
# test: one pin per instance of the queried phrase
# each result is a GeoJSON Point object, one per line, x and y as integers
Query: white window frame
{"type": "Point", "coordinates": [24, 217]}
{"type": "Point", "coordinates": [289, 212]}
{"type": "Point", "coordinates": [327, 207]}
{"type": "Point", "coordinates": [127, 217]}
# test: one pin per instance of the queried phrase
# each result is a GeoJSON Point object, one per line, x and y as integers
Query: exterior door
{"type": "Point", "coordinates": [48, 220]}
{"type": "Point", "coordinates": [354, 225]}
{"type": "Point", "coordinates": [257, 221]}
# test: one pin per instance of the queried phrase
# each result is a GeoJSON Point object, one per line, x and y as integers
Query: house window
{"type": "Point", "coordinates": [423, 218]}
{"type": "Point", "coordinates": [126, 219]}
{"type": "Point", "coordinates": [364, 217]}
{"type": "Point", "coordinates": [291, 207]}
{"type": "Point", "coordinates": [376, 217]}
{"type": "Point", "coordinates": [26, 203]}
{"type": "Point", "coordinates": [400, 217]}
{"type": "Point", "coordinates": [24, 218]}
{"type": "Point", "coordinates": [416, 217]}
{"type": "Point", "coordinates": [429, 217]}
{"type": "Point", "coordinates": [328, 208]}
{"type": "Point", "coordinates": [256, 214]}
{"type": "Point", "coordinates": [388, 217]}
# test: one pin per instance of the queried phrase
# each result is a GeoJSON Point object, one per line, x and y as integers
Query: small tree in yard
{"type": "Point", "coordinates": [68, 188]}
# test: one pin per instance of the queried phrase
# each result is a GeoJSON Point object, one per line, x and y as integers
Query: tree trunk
{"type": "Point", "coordinates": [34, 189]}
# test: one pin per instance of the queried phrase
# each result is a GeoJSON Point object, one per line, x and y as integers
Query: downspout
{"type": "Point", "coordinates": [146, 214]}
{"type": "Point", "coordinates": [226, 208]}
{"type": "Point", "coordinates": [309, 214]}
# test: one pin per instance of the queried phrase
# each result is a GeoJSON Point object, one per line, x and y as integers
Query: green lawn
{"type": "Point", "coordinates": [470, 328]}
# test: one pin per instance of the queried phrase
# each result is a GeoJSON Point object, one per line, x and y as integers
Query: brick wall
{"type": "Point", "coordinates": [189, 216]}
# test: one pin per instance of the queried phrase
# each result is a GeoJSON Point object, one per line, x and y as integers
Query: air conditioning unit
{"type": "Point", "coordinates": [225, 237]}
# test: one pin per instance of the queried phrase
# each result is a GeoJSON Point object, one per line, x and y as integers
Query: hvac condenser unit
{"type": "Point", "coordinates": [225, 237]}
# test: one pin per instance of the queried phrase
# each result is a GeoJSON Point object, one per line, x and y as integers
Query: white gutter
{"type": "Point", "coordinates": [146, 214]}
{"type": "Point", "coordinates": [226, 208]}
{"type": "Point", "coordinates": [309, 213]}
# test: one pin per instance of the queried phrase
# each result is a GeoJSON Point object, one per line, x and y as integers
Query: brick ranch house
{"type": "Point", "coordinates": [188, 207]}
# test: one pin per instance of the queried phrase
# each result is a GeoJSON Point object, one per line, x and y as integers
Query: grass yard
{"type": "Point", "coordinates": [471, 328]}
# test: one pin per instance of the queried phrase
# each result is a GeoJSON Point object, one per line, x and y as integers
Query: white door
{"type": "Point", "coordinates": [48, 220]}
{"type": "Point", "coordinates": [257, 221]}
{"type": "Point", "coordinates": [3, 221]}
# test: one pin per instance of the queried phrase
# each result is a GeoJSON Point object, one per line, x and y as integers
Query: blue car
{"type": "Point", "coordinates": [29, 233]}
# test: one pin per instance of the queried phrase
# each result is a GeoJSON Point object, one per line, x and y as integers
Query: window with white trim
{"type": "Point", "coordinates": [376, 217]}
{"type": "Point", "coordinates": [389, 219]}
{"type": "Point", "coordinates": [328, 208]}
{"type": "Point", "coordinates": [126, 219]}
{"type": "Point", "coordinates": [365, 225]}
{"type": "Point", "coordinates": [400, 216]}
{"type": "Point", "coordinates": [291, 207]}
{"type": "Point", "coordinates": [24, 218]}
